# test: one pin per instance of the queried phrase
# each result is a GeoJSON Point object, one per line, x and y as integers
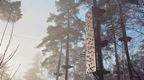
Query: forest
{"type": "Point", "coordinates": [74, 40]}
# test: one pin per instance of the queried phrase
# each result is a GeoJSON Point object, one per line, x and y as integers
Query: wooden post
{"type": "Point", "coordinates": [97, 29]}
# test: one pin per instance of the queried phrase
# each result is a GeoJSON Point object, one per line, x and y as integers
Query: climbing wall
{"type": "Point", "coordinates": [90, 44]}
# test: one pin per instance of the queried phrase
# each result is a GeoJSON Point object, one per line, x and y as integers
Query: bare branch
{"type": "Point", "coordinates": [15, 72]}
{"type": "Point", "coordinates": [7, 47]}
{"type": "Point", "coordinates": [9, 57]}
{"type": "Point", "coordinates": [5, 30]}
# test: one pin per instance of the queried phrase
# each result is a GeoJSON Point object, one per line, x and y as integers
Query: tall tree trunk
{"type": "Point", "coordinates": [59, 62]}
{"type": "Point", "coordinates": [67, 43]}
{"type": "Point", "coordinates": [116, 54]}
{"type": "Point", "coordinates": [126, 47]}
{"type": "Point", "coordinates": [122, 25]}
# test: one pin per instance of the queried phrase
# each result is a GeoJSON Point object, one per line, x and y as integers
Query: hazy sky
{"type": "Point", "coordinates": [28, 32]}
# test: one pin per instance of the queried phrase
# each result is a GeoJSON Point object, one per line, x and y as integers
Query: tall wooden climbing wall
{"type": "Point", "coordinates": [90, 44]}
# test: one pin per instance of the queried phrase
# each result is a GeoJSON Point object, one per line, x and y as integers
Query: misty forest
{"type": "Point", "coordinates": [71, 39]}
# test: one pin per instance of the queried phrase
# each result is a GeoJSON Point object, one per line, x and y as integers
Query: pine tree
{"type": "Point", "coordinates": [58, 31]}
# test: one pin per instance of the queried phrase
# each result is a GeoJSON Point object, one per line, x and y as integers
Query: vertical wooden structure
{"type": "Point", "coordinates": [93, 42]}
{"type": "Point", "coordinates": [91, 53]}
